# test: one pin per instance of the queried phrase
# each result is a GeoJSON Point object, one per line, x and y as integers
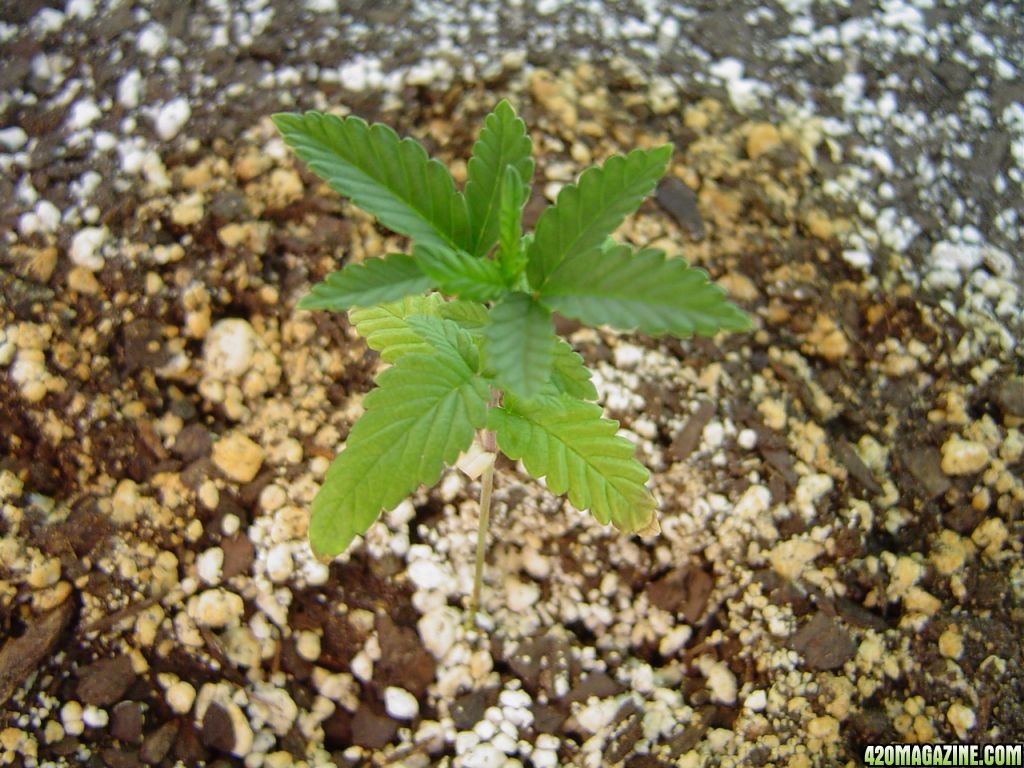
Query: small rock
{"type": "Point", "coordinates": [520, 595]}
{"type": "Point", "coordinates": [962, 718]}
{"type": "Point", "coordinates": [338, 729]}
{"type": "Point", "coordinates": [238, 457]}
{"type": "Point", "coordinates": [215, 608]}
{"type": "Point", "coordinates": [193, 442]}
{"type": "Point", "coordinates": [239, 554]}
{"type": "Point", "coordinates": [279, 563]}
{"type": "Point", "coordinates": [686, 440]}
{"type": "Point", "coordinates": [307, 645]}
{"type": "Point", "coordinates": [825, 728]}
{"type": "Point", "coordinates": [188, 211]}
{"type": "Point", "coordinates": [274, 706]}
{"type": "Point", "coordinates": [224, 724]}
{"type": "Point", "coordinates": [681, 204]}
{"type": "Point", "coordinates": [126, 722]}
{"type": "Point", "coordinates": [218, 732]}
{"type": "Point", "coordinates": [171, 118]}
{"type": "Point", "coordinates": [990, 535]}
{"type": "Point", "coordinates": [683, 591]}
{"type": "Point", "coordinates": [86, 246]}
{"type": "Point", "coordinates": [763, 138]}
{"type": "Point", "coordinates": [756, 701]}
{"type": "Point", "coordinates": [40, 262]}
{"type": "Point", "coordinates": [158, 743]}
{"type": "Point", "coordinates": [963, 457]}
{"type": "Point", "coordinates": [924, 465]}
{"type": "Point", "coordinates": [118, 758]}
{"type": "Point", "coordinates": [404, 661]}
{"type": "Point", "coordinates": [285, 187]}
{"type": "Point", "coordinates": [468, 709]}
{"type": "Point", "coordinates": [555, 96]}
{"type": "Point", "coordinates": [372, 731]}
{"type": "Point", "coordinates": [104, 682]}
{"type": "Point", "coordinates": [229, 348]}
{"type": "Point", "coordinates": [428, 574]}
{"type": "Point", "coordinates": [595, 685]}
{"type": "Point", "coordinates": [94, 717]}
{"type": "Point", "coordinates": [180, 697]}
{"type": "Point", "coordinates": [951, 642]}
{"type": "Point", "coordinates": [82, 280]}
{"type": "Point", "coordinates": [484, 756]}
{"type": "Point", "coordinates": [438, 629]}
{"type": "Point", "coordinates": [823, 643]}
{"type": "Point", "coordinates": [209, 564]}
{"type": "Point", "coordinates": [14, 138]}
{"type": "Point", "coordinates": [1008, 394]}
{"type": "Point", "coordinates": [721, 682]}
{"type": "Point", "coordinates": [400, 704]}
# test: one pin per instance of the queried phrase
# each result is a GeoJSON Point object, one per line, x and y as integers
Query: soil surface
{"type": "Point", "coordinates": [839, 562]}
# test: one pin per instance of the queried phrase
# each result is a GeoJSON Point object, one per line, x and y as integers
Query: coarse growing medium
{"type": "Point", "coordinates": [841, 496]}
{"type": "Point", "coordinates": [488, 358]}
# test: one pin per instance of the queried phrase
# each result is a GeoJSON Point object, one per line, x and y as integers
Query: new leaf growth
{"type": "Point", "coordinates": [466, 319]}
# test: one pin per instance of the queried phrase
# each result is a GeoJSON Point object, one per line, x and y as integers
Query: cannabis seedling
{"type": "Point", "coordinates": [488, 357]}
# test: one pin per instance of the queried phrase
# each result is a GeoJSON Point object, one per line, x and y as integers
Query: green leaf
{"type": "Point", "coordinates": [372, 282]}
{"type": "Point", "coordinates": [587, 212]}
{"type": "Point", "coordinates": [468, 314]}
{"type": "Point", "coordinates": [391, 178]}
{"type": "Point", "coordinates": [421, 416]}
{"type": "Point", "coordinates": [459, 274]}
{"type": "Point", "coordinates": [646, 291]}
{"type": "Point", "coordinates": [520, 344]}
{"type": "Point", "coordinates": [567, 441]}
{"type": "Point", "coordinates": [387, 330]}
{"type": "Point", "coordinates": [443, 334]}
{"type": "Point", "coordinates": [569, 374]}
{"type": "Point", "coordinates": [511, 254]}
{"type": "Point", "coordinates": [503, 143]}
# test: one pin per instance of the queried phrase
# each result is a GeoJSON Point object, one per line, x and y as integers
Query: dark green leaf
{"type": "Point", "coordinates": [373, 282]}
{"type": "Point", "coordinates": [520, 344]}
{"type": "Point", "coordinates": [612, 286]}
{"type": "Point", "coordinates": [511, 254]}
{"type": "Point", "coordinates": [578, 452]}
{"type": "Point", "coordinates": [588, 212]}
{"type": "Point", "coordinates": [391, 178]}
{"type": "Point", "coordinates": [459, 274]}
{"type": "Point", "coordinates": [387, 330]}
{"type": "Point", "coordinates": [503, 143]}
{"type": "Point", "coordinates": [421, 416]}
{"type": "Point", "coordinates": [570, 375]}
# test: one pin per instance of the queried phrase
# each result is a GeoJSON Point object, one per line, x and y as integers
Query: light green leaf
{"type": "Point", "coordinates": [443, 334]}
{"type": "Point", "coordinates": [570, 375]}
{"type": "Point", "coordinates": [503, 143]}
{"type": "Point", "coordinates": [589, 211]}
{"type": "Point", "coordinates": [520, 344]}
{"type": "Point", "coordinates": [391, 178]}
{"type": "Point", "coordinates": [468, 314]}
{"type": "Point", "coordinates": [567, 442]}
{"type": "Point", "coordinates": [511, 254]}
{"type": "Point", "coordinates": [386, 326]}
{"type": "Point", "coordinates": [459, 274]}
{"type": "Point", "coordinates": [372, 282]}
{"type": "Point", "coordinates": [421, 416]}
{"type": "Point", "coordinates": [614, 287]}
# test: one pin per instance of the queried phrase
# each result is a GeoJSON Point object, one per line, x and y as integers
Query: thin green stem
{"type": "Point", "coordinates": [486, 487]}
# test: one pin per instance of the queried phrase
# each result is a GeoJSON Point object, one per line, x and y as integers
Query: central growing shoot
{"type": "Point", "coordinates": [465, 319]}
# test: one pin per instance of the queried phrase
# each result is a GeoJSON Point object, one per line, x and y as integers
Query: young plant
{"type": "Point", "coordinates": [466, 319]}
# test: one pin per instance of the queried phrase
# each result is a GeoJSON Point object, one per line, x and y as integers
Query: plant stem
{"type": "Point", "coordinates": [486, 486]}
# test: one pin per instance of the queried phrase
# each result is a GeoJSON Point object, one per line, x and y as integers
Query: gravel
{"type": "Point", "coordinates": [839, 560]}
